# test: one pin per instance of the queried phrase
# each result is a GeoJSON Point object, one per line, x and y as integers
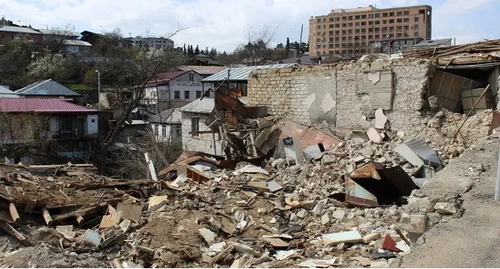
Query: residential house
{"type": "Point", "coordinates": [152, 42]}
{"type": "Point", "coordinates": [204, 70]}
{"type": "Point", "coordinates": [57, 35]}
{"type": "Point", "coordinates": [6, 93]}
{"type": "Point", "coordinates": [194, 116]}
{"type": "Point", "coordinates": [173, 90]}
{"type": "Point", "coordinates": [48, 89]}
{"type": "Point", "coordinates": [69, 129]}
{"type": "Point", "coordinates": [166, 125]}
{"type": "Point", "coordinates": [202, 59]}
{"type": "Point", "coordinates": [236, 77]}
{"type": "Point", "coordinates": [79, 47]}
{"type": "Point", "coordinates": [8, 33]}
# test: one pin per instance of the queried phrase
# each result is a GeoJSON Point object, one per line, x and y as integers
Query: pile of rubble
{"type": "Point", "coordinates": [306, 200]}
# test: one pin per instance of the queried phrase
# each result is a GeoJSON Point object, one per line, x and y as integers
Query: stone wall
{"type": "Point", "coordinates": [201, 142]}
{"type": "Point", "coordinates": [341, 94]}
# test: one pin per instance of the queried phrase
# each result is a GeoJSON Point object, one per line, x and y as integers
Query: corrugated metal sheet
{"type": "Point", "coordinates": [17, 29]}
{"type": "Point", "coordinates": [6, 93]}
{"type": "Point", "coordinates": [205, 106]}
{"type": "Point", "coordinates": [423, 151]}
{"type": "Point", "coordinates": [47, 105]}
{"type": "Point", "coordinates": [47, 88]}
{"type": "Point", "coordinates": [203, 69]}
{"type": "Point", "coordinates": [172, 115]}
{"type": "Point", "coordinates": [241, 73]}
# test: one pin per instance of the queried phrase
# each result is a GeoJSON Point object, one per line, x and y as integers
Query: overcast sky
{"type": "Point", "coordinates": [223, 23]}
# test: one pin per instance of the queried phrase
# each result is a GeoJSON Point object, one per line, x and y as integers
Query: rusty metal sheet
{"type": "Point", "coordinates": [224, 101]}
{"type": "Point", "coordinates": [308, 136]}
{"type": "Point", "coordinates": [359, 196]}
{"type": "Point", "coordinates": [367, 171]}
{"type": "Point", "coordinates": [386, 184]}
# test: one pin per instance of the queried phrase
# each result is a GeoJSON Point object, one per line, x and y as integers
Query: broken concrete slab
{"type": "Point", "coordinates": [274, 186]}
{"type": "Point", "coordinates": [370, 237]}
{"type": "Point", "coordinates": [285, 254]}
{"type": "Point", "coordinates": [313, 152]}
{"type": "Point", "coordinates": [342, 237]}
{"type": "Point", "coordinates": [66, 231]}
{"type": "Point", "coordinates": [129, 211]}
{"type": "Point", "coordinates": [208, 235]}
{"type": "Point", "coordinates": [380, 119]}
{"type": "Point", "coordinates": [316, 263]}
{"type": "Point", "coordinates": [251, 169]}
{"type": "Point", "coordinates": [157, 203]}
{"type": "Point", "coordinates": [415, 223]}
{"type": "Point", "coordinates": [374, 135]}
{"type": "Point", "coordinates": [402, 246]}
{"type": "Point", "coordinates": [365, 124]}
{"type": "Point", "coordinates": [445, 208]}
{"type": "Point", "coordinates": [276, 242]}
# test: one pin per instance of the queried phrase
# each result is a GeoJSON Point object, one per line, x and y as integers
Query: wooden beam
{"type": "Point", "coordinates": [13, 213]}
{"type": "Point", "coordinates": [13, 232]}
{"type": "Point", "coordinates": [47, 217]}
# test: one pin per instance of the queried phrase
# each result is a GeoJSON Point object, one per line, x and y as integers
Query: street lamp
{"type": "Point", "coordinates": [98, 89]}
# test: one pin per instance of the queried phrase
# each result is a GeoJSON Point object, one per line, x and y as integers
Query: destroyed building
{"type": "Point", "coordinates": [324, 166]}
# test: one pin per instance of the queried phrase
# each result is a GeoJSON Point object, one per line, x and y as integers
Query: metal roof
{"type": "Point", "coordinates": [172, 115]}
{"type": "Point", "coordinates": [164, 78]}
{"type": "Point", "coordinates": [6, 93]}
{"type": "Point", "coordinates": [203, 69]}
{"type": "Point", "coordinates": [43, 105]}
{"type": "Point", "coordinates": [204, 106]}
{"type": "Point", "coordinates": [17, 29]}
{"type": "Point", "coordinates": [74, 42]}
{"type": "Point", "coordinates": [58, 32]}
{"type": "Point", "coordinates": [435, 42]}
{"type": "Point", "coordinates": [241, 73]}
{"type": "Point", "coordinates": [47, 88]}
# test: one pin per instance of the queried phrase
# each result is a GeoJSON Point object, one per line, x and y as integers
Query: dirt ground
{"type": "Point", "coordinates": [472, 240]}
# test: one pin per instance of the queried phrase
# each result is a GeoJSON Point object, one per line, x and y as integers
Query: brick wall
{"type": "Point", "coordinates": [341, 94]}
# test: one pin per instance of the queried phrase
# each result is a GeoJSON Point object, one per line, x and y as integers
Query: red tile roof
{"type": "Point", "coordinates": [41, 105]}
{"type": "Point", "coordinates": [164, 78]}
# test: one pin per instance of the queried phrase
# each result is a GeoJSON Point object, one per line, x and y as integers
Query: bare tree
{"type": "Point", "coordinates": [257, 49]}
{"type": "Point", "coordinates": [131, 71]}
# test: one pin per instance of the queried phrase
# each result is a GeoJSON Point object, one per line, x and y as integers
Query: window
{"type": "Point", "coordinates": [195, 126]}
{"type": "Point", "coordinates": [415, 26]}
{"type": "Point", "coordinates": [330, 33]}
{"type": "Point", "coordinates": [400, 20]}
{"type": "Point", "coordinates": [416, 19]}
{"type": "Point", "coordinates": [330, 26]}
{"type": "Point", "coordinates": [319, 27]}
{"type": "Point", "coordinates": [337, 25]}
{"type": "Point", "coordinates": [177, 95]}
{"type": "Point", "coordinates": [344, 24]}
{"type": "Point", "coordinates": [156, 129]}
{"type": "Point", "coordinates": [406, 20]}
{"type": "Point", "coordinates": [384, 14]}
{"type": "Point", "coordinates": [391, 14]}
{"type": "Point", "coordinates": [391, 21]}
{"type": "Point", "coordinates": [164, 131]}
{"type": "Point", "coordinates": [357, 23]}
{"type": "Point", "coordinates": [422, 11]}
{"type": "Point", "coordinates": [331, 19]}
{"type": "Point", "coordinates": [350, 18]}
{"type": "Point", "coordinates": [191, 77]}
{"type": "Point", "coordinates": [400, 13]}
{"type": "Point", "coordinates": [363, 16]}
{"type": "Point", "coordinates": [357, 17]}
{"type": "Point", "coordinates": [363, 23]}
{"type": "Point", "coordinates": [186, 94]}
{"type": "Point", "coordinates": [198, 94]}
{"type": "Point", "coordinates": [175, 131]}
{"type": "Point", "coordinates": [415, 34]}
{"type": "Point", "coordinates": [406, 13]}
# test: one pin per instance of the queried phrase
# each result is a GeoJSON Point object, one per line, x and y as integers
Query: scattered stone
{"type": "Point", "coordinates": [434, 217]}
{"type": "Point", "coordinates": [380, 119]}
{"type": "Point", "coordinates": [208, 235]}
{"type": "Point", "coordinates": [374, 135]}
{"type": "Point", "coordinates": [370, 237]}
{"type": "Point", "coordinates": [382, 263]}
{"type": "Point", "coordinates": [445, 208]}
{"type": "Point", "coordinates": [325, 219]}
{"type": "Point", "coordinates": [318, 210]}
{"type": "Point", "coordinates": [367, 152]}
{"type": "Point", "coordinates": [302, 213]}
{"type": "Point", "coordinates": [339, 214]}
{"type": "Point", "coordinates": [415, 223]}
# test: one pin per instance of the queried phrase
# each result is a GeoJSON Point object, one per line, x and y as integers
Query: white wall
{"type": "Point", "coordinates": [201, 142]}
{"type": "Point", "coordinates": [160, 135]}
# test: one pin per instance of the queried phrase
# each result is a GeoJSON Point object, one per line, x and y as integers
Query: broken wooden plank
{"type": "Point", "coordinates": [13, 232]}
{"type": "Point", "coordinates": [13, 213]}
{"type": "Point", "coordinates": [80, 212]}
{"type": "Point", "coordinates": [47, 217]}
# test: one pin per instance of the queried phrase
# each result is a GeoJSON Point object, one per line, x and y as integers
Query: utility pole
{"type": "Point", "coordinates": [98, 89]}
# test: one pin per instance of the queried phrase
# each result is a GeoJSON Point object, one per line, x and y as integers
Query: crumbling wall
{"type": "Point", "coordinates": [201, 142]}
{"type": "Point", "coordinates": [341, 94]}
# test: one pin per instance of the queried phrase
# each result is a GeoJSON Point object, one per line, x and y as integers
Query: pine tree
{"type": "Point", "coordinates": [196, 50]}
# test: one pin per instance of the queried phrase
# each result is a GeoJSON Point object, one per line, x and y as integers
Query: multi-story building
{"type": "Point", "coordinates": [348, 32]}
{"type": "Point", "coordinates": [152, 42]}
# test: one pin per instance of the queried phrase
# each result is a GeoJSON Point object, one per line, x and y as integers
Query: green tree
{"type": "Point", "coordinates": [15, 56]}
{"type": "Point", "coordinates": [196, 50]}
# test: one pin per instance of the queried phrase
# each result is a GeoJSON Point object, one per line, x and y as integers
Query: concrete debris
{"type": "Point", "coordinates": [445, 208]}
{"type": "Point", "coordinates": [342, 237]}
{"type": "Point", "coordinates": [339, 204]}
